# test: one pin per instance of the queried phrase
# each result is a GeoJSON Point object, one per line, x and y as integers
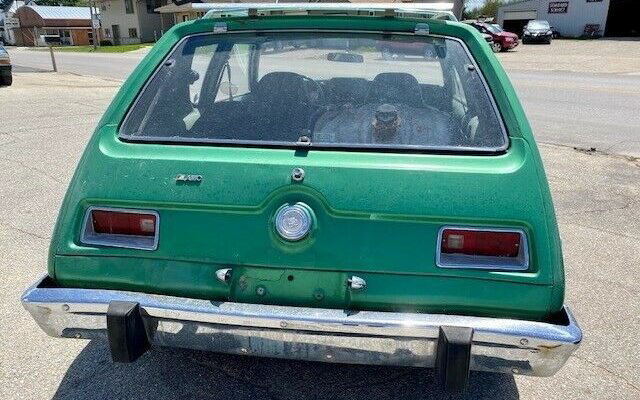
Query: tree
{"type": "Point", "coordinates": [5, 3]}
{"type": "Point", "coordinates": [488, 9]}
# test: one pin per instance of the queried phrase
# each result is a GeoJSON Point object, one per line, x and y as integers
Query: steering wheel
{"type": "Point", "coordinates": [315, 98]}
{"type": "Point", "coordinates": [313, 92]}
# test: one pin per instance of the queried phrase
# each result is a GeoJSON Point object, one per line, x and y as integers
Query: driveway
{"type": "Point", "coordinates": [610, 56]}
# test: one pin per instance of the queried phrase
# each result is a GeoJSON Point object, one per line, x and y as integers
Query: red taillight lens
{"type": "Point", "coordinates": [123, 223]}
{"type": "Point", "coordinates": [481, 243]}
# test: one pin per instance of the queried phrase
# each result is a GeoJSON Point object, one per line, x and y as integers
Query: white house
{"type": "Point", "coordinates": [7, 35]}
{"type": "Point", "coordinates": [131, 21]}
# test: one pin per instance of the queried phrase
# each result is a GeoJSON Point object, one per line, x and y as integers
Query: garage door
{"type": "Point", "coordinates": [520, 15]}
{"type": "Point", "coordinates": [623, 18]}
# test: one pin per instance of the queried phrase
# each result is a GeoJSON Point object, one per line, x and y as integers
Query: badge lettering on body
{"type": "Point", "coordinates": [188, 178]}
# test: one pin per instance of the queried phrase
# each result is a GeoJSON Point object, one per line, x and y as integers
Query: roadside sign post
{"type": "Point", "coordinates": [50, 40]}
{"type": "Point", "coordinates": [53, 59]}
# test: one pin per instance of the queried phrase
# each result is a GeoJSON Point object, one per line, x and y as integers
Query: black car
{"type": "Point", "coordinates": [5, 68]}
{"type": "Point", "coordinates": [537, 31]}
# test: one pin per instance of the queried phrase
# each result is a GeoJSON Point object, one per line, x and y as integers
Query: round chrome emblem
{"type": "Point", "coordinates": [293, 222]}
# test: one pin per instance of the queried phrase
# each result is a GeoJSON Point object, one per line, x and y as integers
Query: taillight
{"type": "Point", "coordinates": [123, 223]}
{"type": "Point", "coordinates": [460, 247]}
{"type": "Point", "coordinates": [115, 227]}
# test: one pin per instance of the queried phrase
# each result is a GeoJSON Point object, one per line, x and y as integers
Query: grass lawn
{"type": "Point", "coordinates": [103, 49]}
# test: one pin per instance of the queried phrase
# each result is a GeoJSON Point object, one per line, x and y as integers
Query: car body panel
{"type": "Point", "coordinates": [378, 214]}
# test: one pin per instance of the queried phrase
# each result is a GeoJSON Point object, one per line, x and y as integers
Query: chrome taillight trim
{"type": "Point", "coordinates": [461, 261]}
{"type": "Point", "coordinates": [89, 237]}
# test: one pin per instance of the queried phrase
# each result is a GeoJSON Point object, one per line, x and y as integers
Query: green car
{"type": "Point", "coordinates": [315, 201]}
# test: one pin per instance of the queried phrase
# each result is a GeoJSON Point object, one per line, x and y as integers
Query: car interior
{"type": "Point", "coordinates": [287, 107]}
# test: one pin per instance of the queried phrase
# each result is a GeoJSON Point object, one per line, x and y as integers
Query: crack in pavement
{"type": "Point", "coordinates": [11, 227]}
{"type": "Point", "coordinates": [635, 160]}
{"type": "Point", "coordinates": [33, 169]}
{"type": "Point", "coordinates": [598, 210]}
{"type": "Point", "coordinates": [35, 128]}
{"type": "Point", "coordinates": [608, 149]}
{"type": "Point", "coordinates": [601, 230]}
{"type": "Point", "coordinates": [602, 367]}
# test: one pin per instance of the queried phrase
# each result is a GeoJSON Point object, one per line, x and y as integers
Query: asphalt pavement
{"type": "Point", "coordinates": [48, 118]}
{"type": "Point", "coordinates": [104, 65]}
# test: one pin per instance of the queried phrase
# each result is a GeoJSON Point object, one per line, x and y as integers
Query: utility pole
{"type": "Point", "coordinates": [92, 4]}
{"type": "Point", "coordinates": [458, 7]}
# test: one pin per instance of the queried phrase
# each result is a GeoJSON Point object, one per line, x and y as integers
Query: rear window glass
{"type": "Point", "coordinates": [338, 91]}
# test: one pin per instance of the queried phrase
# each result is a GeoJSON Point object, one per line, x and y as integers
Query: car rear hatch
{"type": "Point", "coordinates": [376, 216]}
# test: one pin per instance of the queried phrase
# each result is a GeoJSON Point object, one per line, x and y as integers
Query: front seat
{"type": "Point", "coordinates": [397, 88]}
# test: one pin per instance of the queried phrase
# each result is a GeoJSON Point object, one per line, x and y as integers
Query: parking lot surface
{"type": "Point", "coordinates": [46, 121]}
{"type": "Point", "coordinates": [610, 55]}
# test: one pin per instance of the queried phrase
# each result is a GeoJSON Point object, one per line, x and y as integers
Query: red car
{"type": "Point", "coordinates": [502, 40]}
{"type": "Point", "coordinates": [391, 50]}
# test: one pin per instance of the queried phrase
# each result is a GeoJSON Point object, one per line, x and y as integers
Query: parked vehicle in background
{"type": "Point", "coordinates": [393, 50]}
{"type": "Point", "coordinates": [6, 79]}
{"type": "Point", "coordinates": [274, 202]}
{"type": "Point", "coordinates": [489, 39]}
{"type": "Point", "coordinates": [502, 40]}
{"type": "Point", "coordinates": [538, 31]}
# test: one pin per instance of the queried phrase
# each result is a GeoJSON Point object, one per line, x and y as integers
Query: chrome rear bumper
{"type": "Point", "coordinates": [364, 337]}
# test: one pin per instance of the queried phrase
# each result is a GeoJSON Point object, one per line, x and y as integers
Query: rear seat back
{"type": "Point", "coordinates": [397, 87]}
{"type": "Point", "coordinates": [347, 91]}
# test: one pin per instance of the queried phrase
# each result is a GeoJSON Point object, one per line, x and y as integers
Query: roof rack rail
{"type": "Point", "coordinates": [438, 10]}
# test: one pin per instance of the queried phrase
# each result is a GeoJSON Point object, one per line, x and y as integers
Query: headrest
{"type": "Point", "coordinates": [348, 90]}
{"type": "Point", "coordinates": [280, 86]}
{"type": "Point", "coordinates": [397, 87]}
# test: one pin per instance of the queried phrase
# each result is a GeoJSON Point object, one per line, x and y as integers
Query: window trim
{"type": "Point", "coordinates": [323, 146]}
{"type": "Point", "coordinates": [486, 263]}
